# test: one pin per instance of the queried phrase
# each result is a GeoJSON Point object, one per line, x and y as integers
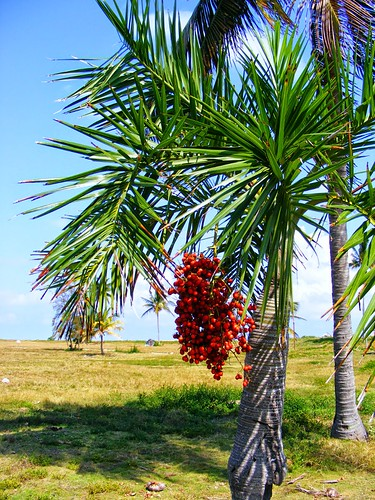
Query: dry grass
{"type": "Point", "coordinates": [43, 371]}
{"type": "Point", "coordinates": [77, 425]}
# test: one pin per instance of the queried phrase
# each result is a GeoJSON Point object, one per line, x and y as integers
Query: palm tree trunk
{"type": "Point", "coordinates": [257, 460]}
{"type": "Point", "coordinates": [158, 326]}
{"type": "Point", "coordinates": [102, 344]}
{"type": "Point", "coordinates": [347, 423]}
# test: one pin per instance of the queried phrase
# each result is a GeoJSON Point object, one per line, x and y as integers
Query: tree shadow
{"type": "Point", "coordinates": [155, 431]}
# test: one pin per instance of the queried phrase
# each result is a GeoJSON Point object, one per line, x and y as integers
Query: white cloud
{"type": "Point", "coordinates": [24, 315]}
{"type": "Point", "coordinates": [312, 288]}
{"type": "Point", "coordinates": [138, 327]}
{"type": "Point", "coordinates": [15, 299]}
{"type": "Point", "coordinates": [313, 292]}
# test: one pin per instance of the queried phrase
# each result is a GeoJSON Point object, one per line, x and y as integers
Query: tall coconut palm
{"type": "Point", "coordinates": [343, 26]}
{"type": "Point", "coordinates": [184, 159]}
{"type": "Point", "coordinates": [156, 303]}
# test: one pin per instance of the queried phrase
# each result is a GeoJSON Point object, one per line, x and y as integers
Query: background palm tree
{"type": "Point", "coordinates": [156, 303]}
{"type": "Point", "coordinates": [362, 244]}
{"type": "Point", "coordinates": [344, 24]}
{"type": "Point", "coordinates": [82, 312]}
{"type": "Point", "coordinates": [106, 324]}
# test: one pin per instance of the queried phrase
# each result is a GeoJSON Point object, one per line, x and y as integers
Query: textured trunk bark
{"type": "Point", "coordinates": [347, 423]}
{"type": "Point", "coordinates": [257, 460]}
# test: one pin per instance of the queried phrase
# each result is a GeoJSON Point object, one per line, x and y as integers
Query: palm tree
{"type": "Point", "coordinates": [84, 311]}
{"type": "Point", "coordinates": [360, 204]}
{"type": "Point", "coordinates": [335, 26]}
{"type": "Point", "coordinates": [343, 24]}
{"type": "Point", "coordinates": [332, 31]}
{"type": "Point", "coordinates": [180, 153]}
{"type": "Point", "coordinates": [156, 303]}
{"type": "Point", "coordinates": [106, 323]}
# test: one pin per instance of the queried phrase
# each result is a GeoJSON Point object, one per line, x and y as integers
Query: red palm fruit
{"type": "Point", "coordinates": [207, 321]}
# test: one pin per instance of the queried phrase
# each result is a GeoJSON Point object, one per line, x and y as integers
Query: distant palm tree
{"type": "Point", "coordinates": [156, 303]}
{"type": "Point", "coordinates": [106, 324]}
{"type": "Point", "coordinates": [69, 323]}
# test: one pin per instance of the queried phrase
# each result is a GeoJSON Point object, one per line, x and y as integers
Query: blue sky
{"type": "Point", "coordinates": [32, 34]}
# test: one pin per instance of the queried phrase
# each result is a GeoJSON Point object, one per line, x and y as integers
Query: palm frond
{"type": "Point", "coordinates": [219, 24]}
{"type": "Point", "coordinates": [343, 25]}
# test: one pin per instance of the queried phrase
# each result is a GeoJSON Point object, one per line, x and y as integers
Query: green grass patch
{"type": "Point", "coordinates": [367, 366]}
{"type": "Point", "coordinates": [154, 362]}
{"type": "Point", "coordinates": [133, 350]}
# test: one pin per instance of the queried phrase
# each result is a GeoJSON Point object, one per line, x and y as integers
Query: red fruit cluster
{"type": "Point", "coordinates": [210, 323]}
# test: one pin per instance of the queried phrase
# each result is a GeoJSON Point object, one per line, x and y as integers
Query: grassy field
{"type": "Point", "coordinates": [77, 425]}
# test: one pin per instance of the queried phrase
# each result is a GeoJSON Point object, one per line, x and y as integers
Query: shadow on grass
{"type": "Point", "coordinates": [171, 426]}
{"type": "Point", "coordinates": [191, 428]}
